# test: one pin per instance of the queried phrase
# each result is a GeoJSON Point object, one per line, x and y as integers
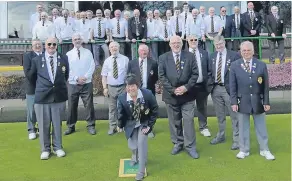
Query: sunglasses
{"type": "Point", "coordinates": [50, 44]}
{"type": "Point", "coordinates": [193, 40]}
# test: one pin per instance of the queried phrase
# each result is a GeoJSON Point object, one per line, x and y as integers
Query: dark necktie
{"type": "Point", "coordinates": [52, 65]}
{"type": "Point", "coordinates": [40, 17]}
{"type": "Point", "coordinates": [219, 68]}
{"type": "Point", "coordinates": [251, 19]}
{"type": "Point", "coordinates": [276, 16]}
{"type": "Point", "coordinates": [43, 23]}
{"type": "Point", "coordinates": [66, 21]}
{"type": "Point", "coordinates": [177, 26]}
{"type": "Point", "coordinates": [78, 52]}
{"type": "Point", "coordinates": [195, 20]}
{"type": "Point", "coordinates": [194, 52]}
{"type": "Point", "coordinates": [136, 110]}
{"type": "Point", "coordinates": [165, 31]}
{"type": "Point", "coordinates": [118, 27]}
{"type": "Point", "coordinates": [177, 63]}
{"type": "Point", "coordinates": [247, 66]}
{"type": "Point", "coordinates": [99, 28]}
{"type": "Point", "coordinates": [115, 68]}
{"type": "Point", "coordinates": [237, 22]}
{"type": "Point", "coordinates": [212, 24]}
{"type": "Point", "coordinates": [186, 16]}
{"type": "Point", "coordinates": [203, 15]}
{"type": "Point", "coordinates": [83, 21]}
{"type": "Point", "coordinates": [141, 71]}
{"type": "Point", "coordinates": [137, 26]}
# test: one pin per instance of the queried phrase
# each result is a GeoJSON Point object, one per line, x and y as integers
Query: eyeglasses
{"type": "Point", "coordinates": [193, 40]}
{"type": "Point", "coordinates": [223, 11]}
{"type": "Point", "coordinates": [50, 44]}
{"type": "Point", "coordinates": [77, 39]}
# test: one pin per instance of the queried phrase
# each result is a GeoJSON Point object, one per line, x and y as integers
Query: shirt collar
{"type": "Point", "coordinates": [115, 55]}
{"type": "Point", "coordinates": [48, 55]}
{"type": "Point", "coordinates": [191, 50]}
{"type": "Point", "coordinates": [76, 48]}
{"type": "Point", "coordinates": [145, 59]}
{"type": "Point", "coordinates": [223, 52]}
{"type": "Point", "coordinates": [250, 62]}
{"type": "Point", "coordinates": [174, 54]}
{"type": "Point", "coordinates": [140, 95]}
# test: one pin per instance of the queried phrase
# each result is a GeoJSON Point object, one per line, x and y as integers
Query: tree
{"type": "Point", "coordinates": [162, 6]}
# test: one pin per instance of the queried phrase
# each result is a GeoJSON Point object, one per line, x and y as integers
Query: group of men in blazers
{"type": "Point", "coordinates": [239, 84]}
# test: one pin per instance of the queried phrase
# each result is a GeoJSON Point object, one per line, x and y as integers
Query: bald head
{"type": "Point", "coordinates": [136, 13]}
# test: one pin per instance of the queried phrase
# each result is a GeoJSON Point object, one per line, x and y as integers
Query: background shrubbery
{"type": "Point", "coordinates": [13, 87]}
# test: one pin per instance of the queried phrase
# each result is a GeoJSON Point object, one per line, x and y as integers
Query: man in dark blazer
{"type": "Point", "coordinates": [178, 73]}
{"type": "Point", "coordinates": [252, 25]}
{"type": "Point", "coordinates": [221, 60]}
{"type": "Point", "coordinates": [249, 94]}
{"type": "Point", "coordinates": [30, 87]}
{"type": "Point", "coordinates": [203, 85]}
{"type": "Point", "coordinates": [51, 72]}
{"type": "Point", "coordinates": [137, 114]}
{"type": "Point", "coordinates": [276, 27]}
{"type": "Point", "coordinates": [137, 30]}
{"type": "Point", "coordinates": [146, 70]}
{"type": "Point", "coordinates": [227, 26]}
{"type": "Point", "coordinates": [236, 27]}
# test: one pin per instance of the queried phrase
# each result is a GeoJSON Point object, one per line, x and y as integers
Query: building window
{"type": "Point", "coordinates": [19, 15]}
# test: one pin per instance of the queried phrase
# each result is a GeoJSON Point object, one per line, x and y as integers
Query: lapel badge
{"type": "Point", "coordinates": [281, 21]}
{"type": "Point", "coordinates": [142, 26]}
{"type": "Point", "coordinates": [59, 64]}
{"type": "Point", "coordinates": [59, 57]}
{"type": "Point", "coordinates": [63, 69]}
{"type": "Point", "coordinates": [147, 111]}
{"type": "Point", "coordinates": [151, 72]}
{"type": "Point", "coordinates": [256, 19]}
{"type": "Point", "coordinates": [43, 65]}
{"type": "Point", "coordinates": [260, 80]}
{"type": "Point", "coordinates": [43, 59]}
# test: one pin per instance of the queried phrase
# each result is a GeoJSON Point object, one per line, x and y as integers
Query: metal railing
{"type": "Point", "coordinates": [259, 38]}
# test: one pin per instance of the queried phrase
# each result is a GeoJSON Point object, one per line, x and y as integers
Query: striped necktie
{"type": "Point", "coordinates": [219, 68]}
{"type": "Point", "coordinates": [177, 26]}
{"type": "Point", "coordinates": [52, 65]}
{"type": "Point", "coordinates": [99, 28]}
{"type": "Point", "coordinates": [247, 66]}
{"type": "Point", "coordinates": [212, 25]}
{"type": "Point", "coordinates": [115, 68]}
{"type": "Point", "coordinates": [177, 63]}
{"type": "Point", "coordinates": [118, 27]}
{"type": "Point", "coordinates": [141, 71]}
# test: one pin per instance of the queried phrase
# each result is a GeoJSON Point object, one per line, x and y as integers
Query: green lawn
{"type": "Point", "coordinates": [96, 158]}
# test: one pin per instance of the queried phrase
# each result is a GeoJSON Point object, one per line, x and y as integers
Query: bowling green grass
{"type": "Point", "coordinates": [96, 158]}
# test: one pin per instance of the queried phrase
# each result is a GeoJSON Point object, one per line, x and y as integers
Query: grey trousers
{"type": "Point", "coordinates": [47, 114]}
{"type": "Point", "coordinates": [30, 114]}
{"type": "Point", "coordinates": [260, 128]}
{"type": "Point", "coordinates": [181, 124]}
{"type": "Point", "coordinates": [236, 43]}
{"type": "Point", "coordinates": [96, 52]}
{"type": "Point", "coordinates": [114, 92]}
{"type": "Point", "coordinates": [272, 44]}
{"type": "Point", "coordinates": [153, 46]}
{"type": "Point", "coordinates": [221, 99]}
{"type": "Point", "coordinates": [138, 144]}
{"type": "Point", "coordinates": [86, 93]}
{"type": "Point", "coordinates": [201, 104]}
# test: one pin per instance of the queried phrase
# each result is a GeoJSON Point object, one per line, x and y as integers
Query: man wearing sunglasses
{"type": "Point", "coordinates": [51, 72]}
{"type": "Point", "coordinates": [203, 85]}
{"type": "Point", "coordinates": [82, 67]}
{"type": "Point", "coordinates": [227, 26]}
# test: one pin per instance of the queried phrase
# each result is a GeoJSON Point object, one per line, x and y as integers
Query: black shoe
{"type": "Point", "coordinates": [176, 150]}
{"type": "Point", "coordinates": [216, 140]}
{"type": "Point", "coordinates": [133, 163]}
{"type": "Point", "coordinates": [91, 130]}
{"type": "Point", "coordinates": [69, 131]}
{"type": "Point", "coordinates": [234, 146]}
{"type": "Point", "coordinates": [194, 154]}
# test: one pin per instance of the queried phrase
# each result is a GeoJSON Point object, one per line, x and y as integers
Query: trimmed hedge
{"type": "Point", "coordinates": [13, 87]}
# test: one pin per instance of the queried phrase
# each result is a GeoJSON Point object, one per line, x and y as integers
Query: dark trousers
{"type": "Point", "coordinates": [255, 44]}
{"type": "Point", "coordinates": [86, 93]}
{"type": "Point", "coordinates": [65, 47]}
{"type": "Point", "coordinates": [163, 47]}
{"type": "Point", "coordinates": [272, 45]}
{"type": "Point", "coordinates": [201, 104]}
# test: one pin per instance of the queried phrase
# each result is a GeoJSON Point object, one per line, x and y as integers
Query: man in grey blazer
{"type": "Point", "coordinates": [203, 85]}
{"type": "Point", "coordinates": [178, 73]}
{"type": "Point", "coordinates": [221, 61]}
{"type": "Point", "coordinates": [51, 72]}
{"type": "Point", "coordinates": [249, 94]}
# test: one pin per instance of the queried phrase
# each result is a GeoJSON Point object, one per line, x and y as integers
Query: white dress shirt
{"type": "Point", "coordinates": [197, 29]}
{"type": "Point", "coordinates": [113, 23]}
{"type": "Point", "coordinates": [153, 28]}
{"type": "Point", "coordinates": [107, 69]}
{"type": "Point", "coordinates": [34, 18]}
{"type": "Point", "coordinates": [217, 24]}
{"type": "Point", "coordinates": [223, 65]}
{"type": "Point", "coordinates": [139, 96]}
{"type": "Point", "coordinates": [144, 76]}
{"type": "Point", "coordinates": [84, 29]}
{"type": "Point", "coordinates": [199, 64]}
{"type": "Point", "coordinates": [181, 24]}
{"type": "Point", "coordinates": [83, 67]}
{"type": "Point", "coordinates": [95, 26]}
{"type": "Point", "coordinates": [43, 32]}
{"type": "Point", "coordinates": [48, 62]}
{"type": "Point", "coordinates": [65, 31]}
{"type": "Point", "coordinates": [223, 20]}
{"type": "Point", "coordinates": [162, 31]}
{"type": "Point", "coordinates": [189, 15]}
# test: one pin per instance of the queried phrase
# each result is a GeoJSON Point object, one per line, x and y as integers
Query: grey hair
{"type": "Point", "coordinates": [127, 13]}
{"type": "Point", "coordinates": [107, 11]}
{"type": "Point", "coordinates": [77, 35]}
{"type": "Point", "coordinates": [247, 43]}
{"type": "Point", "coordinates": [44, 13]}
{"type": "Point", "coordinates": [274, 7]}
{"type": "Point", "coordinates": [143, 46]}
{"type": "Point", "coordinates": [175, 36]}
{"type": "Point", "coordinates": [115, 43]}
{"type": "Point", "coordinates": [218, 38]}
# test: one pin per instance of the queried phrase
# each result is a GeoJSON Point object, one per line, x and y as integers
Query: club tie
{"type": "Point", "coordinates": [141, 71]}
{"type": "Point", "coordinates": [66, 21]}
{"type": "Point", "coordinates": [186, 16]}
{"type": "Point", "coordinates": [78, 52]}
{"type": "Point", "coordinates": [165, 31]}
{"type": "Point", "coordinates": [43, 23]}
{"type": "Point", "coordinates": [99, 28]}
{"type": "Point", "coordinates": [195, 20]}
{"type": "Point", "coordinates": [118, 27]}
{"type": "Point", "coordinates": [136, 110]}
{"type": "Point", "coordinates": [247, 66]}
{"type": "Point", "coordinates": [212, 24]}
{"type": "Point", "coordinates": [177, 26]}
{"type": "Point", "coordinates": [52, 66]}
{"type": "Point", "coordinates": [83, 21]}
{"type": "Point", "coordinates": [177, 63]}
{"type": "Point", "coordinates": [115, 68]}
{"type": "Point", "coordinates": [237, 22]}
{"type": "Point", "coordinates": [219, 68]}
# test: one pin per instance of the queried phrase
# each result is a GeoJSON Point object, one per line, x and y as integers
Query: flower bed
{"type": "Point", "coordinates": [13, 87]}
